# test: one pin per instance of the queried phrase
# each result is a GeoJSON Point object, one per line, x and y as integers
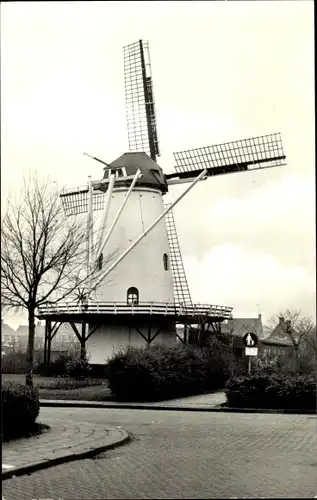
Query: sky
{"type": "Point", "coordinates": [222, 71]}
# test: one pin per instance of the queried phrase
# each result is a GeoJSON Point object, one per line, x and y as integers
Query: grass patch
{"type": "Point", "coordinates": [35, 430]}
{"type": "Point", "coordinates": [65, 388]}
{"type": "Point", "coordinates": [93, 393]}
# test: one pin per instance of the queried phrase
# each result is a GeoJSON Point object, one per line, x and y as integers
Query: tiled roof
{"type": "Point", "coordinates": [279, 332]}
{"type": "Point", "coordinates": [240, 326]}
{"type": "Point", "coordinates": [281, 342]}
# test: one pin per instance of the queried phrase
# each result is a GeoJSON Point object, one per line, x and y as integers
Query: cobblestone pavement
{"type": "Point", "coordinates": [184, 455]}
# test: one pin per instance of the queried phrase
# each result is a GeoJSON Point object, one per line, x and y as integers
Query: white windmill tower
{"type": "Point", "coordinates": [142, 294]}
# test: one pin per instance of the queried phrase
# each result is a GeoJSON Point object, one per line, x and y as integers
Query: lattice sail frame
{"type": "Point", "coordinates": [75, 200]}
{"type": "Point", "coordinates": [139, 99]}
{"type": "Point", "coordinates": [182, 295]}
{"type": "Point", "coordinates": [247, 154]}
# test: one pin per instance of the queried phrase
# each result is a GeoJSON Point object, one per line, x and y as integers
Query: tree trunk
{"type": "Point", "coordinates": [30, 351]}
{"type": "Point", "coordinates": [297, 356]}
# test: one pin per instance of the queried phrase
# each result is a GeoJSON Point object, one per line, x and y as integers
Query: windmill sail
{"type": "Point", "coordinates": [140, 106]}
{"type": "Point", "coordinates": [180, 285]}
{"type": "Point", "coordinates": [75, 200]}
{"type": "Point", "coordinates": [249, 154]}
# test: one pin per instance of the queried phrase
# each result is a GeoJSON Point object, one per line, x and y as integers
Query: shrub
{"type": "Point", "coordinates": [265, 390]}
{"type": "Point", "coordinates": [58, 367]}
{"type": "Point", "coordinates": [14, 362]}
{"type": "Point", "coordinates": [20, 408]}
{"type": "Point", "coordinates": [284, 363]}
{"type": "Point", "coordinates": [163, 371]}
{"type": "Point", "coordinates": [78, 368]}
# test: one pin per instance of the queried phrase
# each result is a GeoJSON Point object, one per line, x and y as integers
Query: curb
{"type": "Point", "coordinates": [46, 463]}
{"type": "Point", "coordinates": [137, 406]}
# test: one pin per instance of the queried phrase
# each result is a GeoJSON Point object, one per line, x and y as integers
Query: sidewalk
{"type": "Point", "coordinates": [201, 401]}
{"type": "Point", "coordinates": [62, 443]}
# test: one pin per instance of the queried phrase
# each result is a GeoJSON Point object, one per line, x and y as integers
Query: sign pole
{"type": "Point", "coordinates": [249, 365]}
{"type": "Point", "coordinates": [250, 340]}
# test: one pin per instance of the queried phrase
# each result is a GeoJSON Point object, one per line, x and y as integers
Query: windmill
{"type": "Point", "coordinates": [143, 293]}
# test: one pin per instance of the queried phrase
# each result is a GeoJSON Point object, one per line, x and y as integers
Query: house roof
{"type": "Point", "coordinates": [279, 332]}
{"type": "Point", "coordinates": [7, 330]}
{"type": "Point", "coordinates": [22, 330]}
{"type": "Point", "coordinates": [64, 329]}
{"type": "Point", "coordinates": [240, 326]}
{"type": "Point", "coordinates": [278, 342]}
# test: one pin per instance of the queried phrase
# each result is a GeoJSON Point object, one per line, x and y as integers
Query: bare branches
{"type": "Point", "coordinates": [43, 255]}
{"type": "Point", "coordinates": [293, 325]}
{"type": "Point", "coordinates": [299, 330]}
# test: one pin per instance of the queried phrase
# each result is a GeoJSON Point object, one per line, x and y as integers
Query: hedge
{"type": "Point", "coordinates": [16, 361]}
{"type": "Point", "coordinates": [277, 391]}
{"type": "Point", "coordinates": [20, 408]}
{"type": "Point", "coordinates": [65, 365]}
{"type": "Point", "coordinates": [163, 371]}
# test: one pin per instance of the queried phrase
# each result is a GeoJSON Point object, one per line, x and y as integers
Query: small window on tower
{"type": "Point", "coordinates": [165, 261]}
{"type": "Point", "coordinates": [100, 261]}
{"type": "Point", "coordinates": [133, 295]}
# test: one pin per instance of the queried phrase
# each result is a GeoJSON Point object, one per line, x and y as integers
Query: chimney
{"type": "Point", "coordinates": [281, 320]}
{"type": "Point", "coordinates": [260, 316]}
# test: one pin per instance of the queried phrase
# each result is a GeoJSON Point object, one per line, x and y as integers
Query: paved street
{"type": "Point", "coordinates": [184, 455]}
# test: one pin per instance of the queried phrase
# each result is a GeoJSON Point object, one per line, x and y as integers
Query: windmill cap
{"type": "Point", "coordinates": [152, 174]}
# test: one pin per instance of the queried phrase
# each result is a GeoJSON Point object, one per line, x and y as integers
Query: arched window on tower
{"type": "Point", "coordinates": [165, 261]}
{"type": "Point", "coordinates": [133, 295]}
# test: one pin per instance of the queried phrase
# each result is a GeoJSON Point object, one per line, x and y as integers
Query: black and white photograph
{"type": "Point", "coordinates": [158, 315]}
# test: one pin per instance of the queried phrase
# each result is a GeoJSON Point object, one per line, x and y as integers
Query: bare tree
{"type": "Point", "coordinates": [297, 328]}
{"type": "Point", "coordinates": [43, 254]}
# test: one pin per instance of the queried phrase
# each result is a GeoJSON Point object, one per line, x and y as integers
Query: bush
{"type": "Point", "coordinates": [78, 368]}
{"type": "Point", "coordinates": [265, 390]}
{"type": "Point", "coordinates": [16, 362]}
{"type": "Point", "coordinates": [284, 363]}
{"type": "Point", "coordinates": [58, 367]}
{"type": "Point", "coordinates": [163, 371]}
{"type": "Point", "coordinates": [20, 408]}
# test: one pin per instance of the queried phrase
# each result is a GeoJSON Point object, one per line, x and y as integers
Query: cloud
{"type": "Point", "coordinates": [230, 275]}
{"type": "Point", "coordinates": [275, 218]}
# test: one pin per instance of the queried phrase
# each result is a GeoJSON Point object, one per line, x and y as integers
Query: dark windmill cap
{"type": "Point", "coordinates": [152, 174]}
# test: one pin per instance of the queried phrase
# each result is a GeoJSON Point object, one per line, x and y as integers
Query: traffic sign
{"type": "Point", "coordinates": [250, 339]}
{"type": "Point", "coordinates": [251, 351]}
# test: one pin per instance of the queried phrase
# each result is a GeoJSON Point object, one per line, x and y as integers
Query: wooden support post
{"type": "Point", "coordinates": [49, 341]}
{"type": "Point", "coordinates": [155, 335]}
{"type": "Point", "coordinates": [249, 365]}
{"type": "Point", "coordinates": [185, 334]}
{"type": "Point", "coordinates": [45, 343]}
{"type": "Point", "coordinates": [83, 341]}
{"type": "Point", "coordinates": [143, 336]}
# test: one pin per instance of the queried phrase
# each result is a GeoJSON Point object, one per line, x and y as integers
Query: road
{"type": "Point", "coordinates": [184, 455]}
